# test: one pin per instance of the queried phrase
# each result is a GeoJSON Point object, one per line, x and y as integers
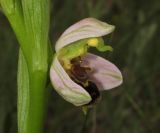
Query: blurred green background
{"type": "Point", "coordinates": [134, 107]}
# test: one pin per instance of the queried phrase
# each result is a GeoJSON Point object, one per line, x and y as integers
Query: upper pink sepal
{"type": "Point", "coordinates": [86, 28]}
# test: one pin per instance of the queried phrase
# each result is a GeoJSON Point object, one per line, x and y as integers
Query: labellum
{"type": "Point", "coordinates": [77, 75]}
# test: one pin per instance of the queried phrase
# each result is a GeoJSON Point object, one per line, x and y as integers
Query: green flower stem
{"type": "Point", "coordinates": [30, 22]}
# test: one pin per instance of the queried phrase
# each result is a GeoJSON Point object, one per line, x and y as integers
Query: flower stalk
{"type": "Point", "coordinates": [30, 22]}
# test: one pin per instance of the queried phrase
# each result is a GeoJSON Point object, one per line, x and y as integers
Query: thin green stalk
{"type": "Point", "coordinates": [83, 130]}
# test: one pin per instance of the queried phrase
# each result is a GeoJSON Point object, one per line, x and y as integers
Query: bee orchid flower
{"type": "Point", "coordinates": [77, 75]}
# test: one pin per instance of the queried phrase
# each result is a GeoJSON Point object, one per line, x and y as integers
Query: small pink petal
{"type": "Point", "coordinates": [86, 28]}
{"type": "Point", "coordinates": [105, 74]}
{"type": "Point", "coordinates": [68, 89]}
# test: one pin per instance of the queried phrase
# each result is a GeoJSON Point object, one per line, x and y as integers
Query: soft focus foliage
{"type": "Point", "coordinates": [131, 108]}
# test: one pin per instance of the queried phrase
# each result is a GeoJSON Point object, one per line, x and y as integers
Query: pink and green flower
{"type": "Point", "coordinates": [77, 75]}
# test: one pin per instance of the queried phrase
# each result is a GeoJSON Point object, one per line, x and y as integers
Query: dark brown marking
{"type": "Point", "coordinates": [80, 75]}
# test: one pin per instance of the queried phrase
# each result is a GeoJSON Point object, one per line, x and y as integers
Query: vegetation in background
{"type": "Point", "coordinates": [133, 107]}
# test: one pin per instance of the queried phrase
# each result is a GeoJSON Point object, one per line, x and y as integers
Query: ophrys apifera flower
{"type": "Point", "coordinates": [77, 75]}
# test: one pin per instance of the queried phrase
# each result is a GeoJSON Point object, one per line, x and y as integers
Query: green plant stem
{"type": "Point", "coordinates": [30, 22]}
{"type": "Point", "coordinates": [31, 102]}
